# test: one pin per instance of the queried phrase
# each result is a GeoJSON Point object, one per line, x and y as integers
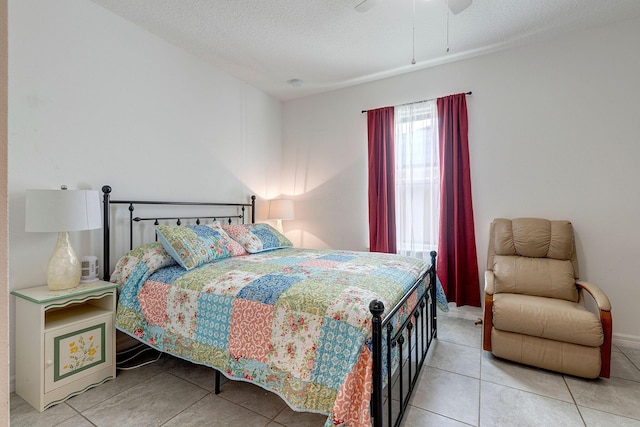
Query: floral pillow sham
{"type": "Point", "coordinates": [256, 238]}
{"type": "Point", "coordinates": [233, 247]}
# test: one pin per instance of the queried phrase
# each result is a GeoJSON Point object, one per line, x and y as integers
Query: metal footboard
{"type": "Point", "coordinates": [411, 342]}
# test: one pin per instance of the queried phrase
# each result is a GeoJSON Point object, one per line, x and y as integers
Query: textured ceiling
{"type": "Point", "coordinates": [329, 45]}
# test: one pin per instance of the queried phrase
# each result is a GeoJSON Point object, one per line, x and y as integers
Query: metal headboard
{"type": "Point", "coordinates": [106, 218]}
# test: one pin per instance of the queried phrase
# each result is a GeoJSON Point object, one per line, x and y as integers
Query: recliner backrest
{"type": "Point", "coordinates": [533, 256]}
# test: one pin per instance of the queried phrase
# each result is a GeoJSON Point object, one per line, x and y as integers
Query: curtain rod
{"type": "Point", "coordinates": [415, 102]}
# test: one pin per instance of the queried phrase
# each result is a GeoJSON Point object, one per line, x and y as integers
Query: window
{"type": "Point", "coordinates": [417, 179]}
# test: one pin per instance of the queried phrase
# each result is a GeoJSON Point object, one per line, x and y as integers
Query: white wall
{"type": "Point", "coordinates": [4, 241]}
{"type": "Point", "coordinates": [553, 131]}
{"type": "Point", "coordinates": [95, 100]}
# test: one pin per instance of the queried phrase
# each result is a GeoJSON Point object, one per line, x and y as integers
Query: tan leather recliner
{"type": "Point", "coordinates": [534, 309]}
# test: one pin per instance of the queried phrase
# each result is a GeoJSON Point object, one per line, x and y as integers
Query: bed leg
{"type": "Point", "coordinates": [217, 382]}
{"type": "Point", "coordinates": [432, 280]}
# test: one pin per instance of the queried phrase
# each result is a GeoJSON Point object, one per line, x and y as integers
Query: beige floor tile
{"type": "Point", "coordinates": [633, 354]}
{"type": "Point", "coordinates": [253, 397]}
{"type": "Point", "coordinates": [595, 418]}
{"type": "Point", "coordinates": [525, 378]}
{"type": "Point", "coordinates": [613, 395]}
{"type": "Point", "coordinates": [464, 312]}
{"type": "Point", "coordinates": [460, 331]}
{"type": "Point", "coordinates": [215, 411]}
{"type": "Point", "coordinates": [457, 358]}
{"type": "Point", "coordinates": [416, 417]}
{"type": "Point", "coordinates": [622, 367]}
{"type": "Point", "coordinates": [506, 406]}
{"type": "Point", "coordinates": [200, 375]}
{"type": "Point", "coordinates": [150, 403]}
{"type": "Point", "coordinates": [290, 418]}
{"type": "Point", "coordinates": [23, 414]}
{"type": "Point", "coordinates": [76, 421]}
{"type": "Point", "coordinates": [124, 380]}
{"type": "Point", "coordinates": [447, 394]}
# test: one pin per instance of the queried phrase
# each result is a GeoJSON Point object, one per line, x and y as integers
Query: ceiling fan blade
{"type": "Point", "coordinates": [366, 5]}
{"type": "Point", "coordinates": [457, 6]}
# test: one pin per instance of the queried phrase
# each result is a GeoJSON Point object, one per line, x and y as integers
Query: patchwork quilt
{"type": "Point", "coordinates": [294, 321]}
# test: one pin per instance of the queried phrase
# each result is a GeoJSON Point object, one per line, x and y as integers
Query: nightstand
{"type": "Point", "coordinates": [64, 341]}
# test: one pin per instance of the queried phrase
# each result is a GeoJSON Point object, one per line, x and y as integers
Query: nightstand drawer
{"type": "Point", "coordinates": [76, 351]}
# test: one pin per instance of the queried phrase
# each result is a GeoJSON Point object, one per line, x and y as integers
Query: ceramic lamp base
{"type": "Point", "coordinates": [63, 271]}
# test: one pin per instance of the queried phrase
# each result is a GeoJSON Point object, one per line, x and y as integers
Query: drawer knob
{"type": "Point", "coordinates": [49, 362]}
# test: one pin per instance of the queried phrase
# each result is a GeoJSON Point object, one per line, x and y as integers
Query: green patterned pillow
{"type": "Point", "coordinates": [194, 245]}
{"type": "Point", "coordinates": [148, 258]}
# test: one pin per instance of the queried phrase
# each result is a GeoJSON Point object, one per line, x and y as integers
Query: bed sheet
{"type": "Point", "coordinates": [294, 321]}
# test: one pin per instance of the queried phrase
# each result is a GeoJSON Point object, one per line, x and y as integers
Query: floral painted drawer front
{"type": "Point", "coordinates": [78, 350]}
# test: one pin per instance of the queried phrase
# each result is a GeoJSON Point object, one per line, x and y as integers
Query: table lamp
{"type": "Point", "coordinates": [280, 209]}
{"type": "Point", "coordinates": [62, 211]}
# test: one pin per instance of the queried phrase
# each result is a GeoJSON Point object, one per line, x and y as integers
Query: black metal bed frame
{"type": "Point", "coordinates": [417, 331]}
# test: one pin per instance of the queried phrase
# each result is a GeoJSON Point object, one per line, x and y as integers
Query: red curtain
{"type": "Point", "coordinates": [457, 264]}
{"type": "Point", "coordinates": [382, 200]}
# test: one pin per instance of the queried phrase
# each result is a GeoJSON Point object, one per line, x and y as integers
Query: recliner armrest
{"type": "Point", "coordinates": [603, 303]}
{"type": "Point", "coordinates": [600, 298]}
{"type": "Point", "coordinates": [488, 282]}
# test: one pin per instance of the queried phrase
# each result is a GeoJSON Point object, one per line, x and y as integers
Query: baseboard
{"type": "Point", "coordinates": [624, 340]}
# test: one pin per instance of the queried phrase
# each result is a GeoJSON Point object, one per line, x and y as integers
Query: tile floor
{"type": "Point", "coordinates": [460, 386]}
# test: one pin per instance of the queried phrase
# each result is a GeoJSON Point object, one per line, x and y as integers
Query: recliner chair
{"type": "Point", "coordinates": [534, 309]}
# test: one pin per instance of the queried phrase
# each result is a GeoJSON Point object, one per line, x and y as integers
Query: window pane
{"type": "Point", "coordinates": [417, 179]}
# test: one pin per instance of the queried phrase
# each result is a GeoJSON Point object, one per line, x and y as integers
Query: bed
{"type": "Point", "coordinates": [336, 332]}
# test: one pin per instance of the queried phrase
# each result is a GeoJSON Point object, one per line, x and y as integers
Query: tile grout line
{"type": "Point", "coordinates": [630, 361]}
{"type": "Point", "coordinates": [166, 421]}
{"type": "Point", "coordinates": [76, 413]}
{"type": "Point", "coordinates": [575, 403]}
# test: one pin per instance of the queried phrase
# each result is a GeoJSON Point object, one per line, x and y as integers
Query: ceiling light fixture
{"type": "Point", "coordinates": [295, 82]}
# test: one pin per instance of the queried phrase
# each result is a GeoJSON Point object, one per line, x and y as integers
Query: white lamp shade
{"type": "Point", "coordinates": [281, 209]}
{"type": "Point", "coordinates": [62, 210]}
